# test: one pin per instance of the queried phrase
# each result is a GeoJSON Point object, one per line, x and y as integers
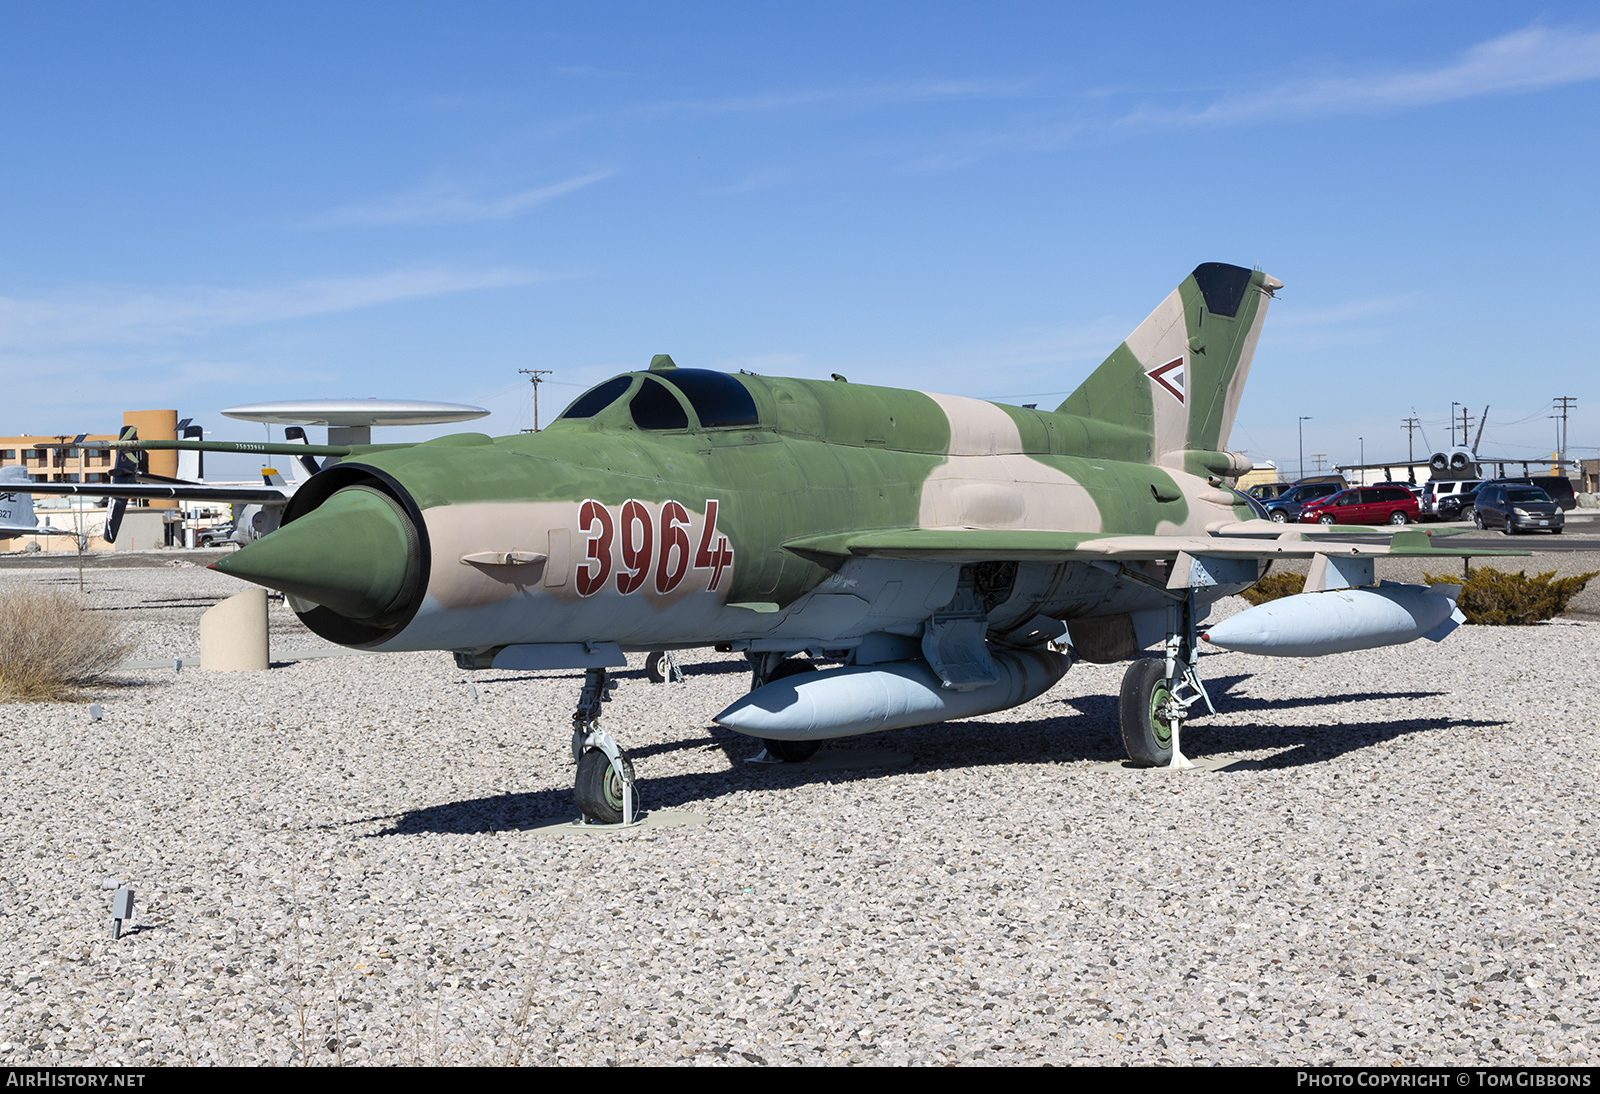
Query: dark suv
{"type": "Point", "coordinates": [1285, 508]}
{"type": "Point", "coordinates": [1516, 507]}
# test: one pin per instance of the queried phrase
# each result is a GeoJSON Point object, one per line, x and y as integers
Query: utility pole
{"type": "Point", "coordinates": [1453, 406]}
{"type": "Point", "coordinates": [1564, 403]}
{"type": "Point", "coordinates": [1465, 430]}
{"type": "Point", "coordinates": [1412, 425]}
{"type": "Point", "coordinates": [1304, 418]}
{"type": "Point", "coordinates": [536, 373]}
{"type": "Point", "coordinates": [1318, 457]}
{"type": "Point", "coordinates": [1362, 441]}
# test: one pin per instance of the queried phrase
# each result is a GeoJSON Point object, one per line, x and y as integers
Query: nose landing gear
{"type": "Point", "coordinates": [605, 790]}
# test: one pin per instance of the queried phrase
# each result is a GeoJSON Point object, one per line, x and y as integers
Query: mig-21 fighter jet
{"type": "Point", "coordinates": [954, 555]}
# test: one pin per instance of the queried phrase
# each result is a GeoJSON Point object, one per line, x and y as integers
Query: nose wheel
{"type": "Point", "coordinates": [604, 790]}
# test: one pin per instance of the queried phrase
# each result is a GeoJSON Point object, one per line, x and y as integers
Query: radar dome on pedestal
{"type": "Point", "coordinates": [350, 421]}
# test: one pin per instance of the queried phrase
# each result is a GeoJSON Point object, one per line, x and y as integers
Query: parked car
{"type": "Point", "coordinates": [217, 535]}
{"type": "Point", "coordinates": [1434, 490]}
{"type": "Point", "coordinates": [1266, 491]}
{"type": "Point", "coordinates": [1457, 506]}
{"type": "Point", "coordinates": [1516, 507]}
{"type": "Point", "coordinates": [1558, 488]}
{"type": "Point", "coordinates": [1286, 508]}
{"type": "Point", "coordinates": [1363, 505]}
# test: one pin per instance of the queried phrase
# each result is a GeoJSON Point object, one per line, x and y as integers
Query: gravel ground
{"type": "Point", "coordinates": [1389, 857]}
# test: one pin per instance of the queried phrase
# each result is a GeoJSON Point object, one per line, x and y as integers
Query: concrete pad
{"type": "Point", "coordinates": [1201, 764]}
{"type": "Point", "coordinates": [658, 818]}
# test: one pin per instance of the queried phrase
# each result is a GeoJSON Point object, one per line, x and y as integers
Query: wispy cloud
{"type": "Point", "coordinates": [1286, 316]}
{"type": "Point", "coordinates": [97, 316]}
{"type": "Point", "coordinates": [1361, 322]}
{"type": "Point", "coordinates": [1525, 60]}
{"type": "Point", "coordinates": [447, 204]}
{"type": "Point", "coordinates": [851, 96]}
{"type": "Point", "coordinates": [1533, 59]}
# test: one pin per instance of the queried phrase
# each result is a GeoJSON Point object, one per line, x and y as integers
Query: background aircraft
{"type": "Point", "coordinates": [16, 507]}
{"type": "Point", "coordinates": [1459, 462]}
{"type": "Point", "coordinates": [257, 509]}
{"type": "Point", "coordinates": [945, 550]}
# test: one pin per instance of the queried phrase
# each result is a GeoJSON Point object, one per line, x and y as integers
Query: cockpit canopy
{"type": "Point", "coordinates": [718, 400]}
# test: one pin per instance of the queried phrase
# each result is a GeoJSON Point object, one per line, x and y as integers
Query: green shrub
{"type": "Point", "coordinates": [1497, 598]}
{"type": "Point", "coordinates": [50, 647]}
{"type": "Point", "coordinates": [1273, 586]}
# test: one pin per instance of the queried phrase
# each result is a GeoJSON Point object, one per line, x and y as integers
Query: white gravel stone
{"type": "Point", "coordinates": [339, 860]}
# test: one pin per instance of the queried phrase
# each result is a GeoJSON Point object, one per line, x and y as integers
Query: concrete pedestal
{"type": "Point", "coordinates": [233, 635]}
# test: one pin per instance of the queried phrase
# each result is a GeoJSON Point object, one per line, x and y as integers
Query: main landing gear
{"type": "Point", "coordinates": [605, 789]}
{"type": "Point", "coordinates": [765, 668]}
{"type": "Point", "coordinates": [1157, 694]}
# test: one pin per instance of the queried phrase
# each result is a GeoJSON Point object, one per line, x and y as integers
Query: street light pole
{"type": "Point", "coordinates": [1304, 418]}
{"type": "Point", "coordinates": [1362, 441]}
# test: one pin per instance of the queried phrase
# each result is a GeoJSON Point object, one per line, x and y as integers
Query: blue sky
{"type": "Point", "coordinates": [207, 205]}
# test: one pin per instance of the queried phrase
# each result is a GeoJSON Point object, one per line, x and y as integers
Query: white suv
{"type": "Point", "coordinates": [1435, 489]}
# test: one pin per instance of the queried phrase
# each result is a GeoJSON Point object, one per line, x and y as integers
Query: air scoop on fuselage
{"type": "Point", "coordinates": [355, 554]}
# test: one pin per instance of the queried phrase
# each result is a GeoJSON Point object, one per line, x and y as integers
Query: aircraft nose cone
{"type": "Point", "coordinates": [355, 554]}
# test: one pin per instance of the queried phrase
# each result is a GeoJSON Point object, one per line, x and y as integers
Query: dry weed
{"type": "Point", "coordinates": [1274, 586]}
{"type": "Point", "coordinates": [50, 647]}
{"type": "Point", "coordinates": [1497, 598]}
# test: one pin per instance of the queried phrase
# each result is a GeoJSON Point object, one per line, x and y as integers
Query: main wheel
{"type": "Point", "coordinates": [1147, 738]}
{"type": "Point", "coordinates": [791, 752]}
{"type": "Point", "coordinates": [1325, 519]}
{"type": "Point", "coordinates": [655, 669]}
{"type": "Point", "coordinates": [1397, 517]}
{"type": "Point", "coordinates": [598, 788]}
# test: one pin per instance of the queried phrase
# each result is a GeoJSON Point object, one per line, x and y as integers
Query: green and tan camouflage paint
{"type": "Point", "coordinates": [829, 460]}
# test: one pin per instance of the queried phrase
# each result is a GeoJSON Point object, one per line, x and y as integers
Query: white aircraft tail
{"type": "Point", "coordinates": [16, 507]}
{"type": "Point", "coordinates": [17, 517]}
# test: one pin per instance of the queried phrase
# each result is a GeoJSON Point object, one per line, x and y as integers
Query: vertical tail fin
{"type": "Point", "coordinates": [16, 507]}
{"type": "Point", "coordinates": [1176, 381]}
{"type": "Point", "coordinates": [191, 464]}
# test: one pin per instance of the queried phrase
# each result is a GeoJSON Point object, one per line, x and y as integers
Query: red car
{"type": "Point", "coordinates": [1363, 505]}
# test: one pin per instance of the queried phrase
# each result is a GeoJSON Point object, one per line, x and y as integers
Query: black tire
{"type": "Point", "coordinates": [1506, 529]}
{"type": "Point", "coordinates": [1144, 688]}
{"type": "Point", "coordinates": [1280, 517]}
{"type": "Point", "coordinates": [1325, 520]}
{"type": "Point", "coordinates": [791, 752]}
{"type": "Point", "coordinates": [1397, 517]}
{"type": "Point", "coordinates": [1469, 512]}
{"type": "Point", "coordinates": [655, 668]}
{"type": "Point", "coordinates": [1477, 519]}
{"type": "Point", "coordinates": [597, 790]}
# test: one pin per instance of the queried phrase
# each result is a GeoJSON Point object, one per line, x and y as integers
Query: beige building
{"type": "Point", "coordinates": [55, 464]}
{"type": "Point", "coordinates": [56, 459]}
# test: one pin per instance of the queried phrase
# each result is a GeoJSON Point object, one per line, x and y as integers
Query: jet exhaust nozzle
{"type": "Point", "coordinates": [1340, 620]}
{"type": "Point", "coordinates": [867, 699]}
